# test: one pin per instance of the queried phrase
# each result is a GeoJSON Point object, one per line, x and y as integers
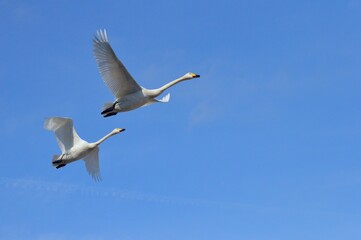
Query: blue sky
{"type": "Point", "coordinates": [265, 145]}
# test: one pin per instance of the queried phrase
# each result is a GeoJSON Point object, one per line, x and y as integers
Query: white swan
{"type": "Point", "coordinates": [73, 147]}
{"type": "Point", "coordinates": [128, 93]}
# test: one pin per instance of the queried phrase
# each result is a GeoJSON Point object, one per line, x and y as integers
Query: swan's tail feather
{"type": "Point", "coordinates": [165, 99]}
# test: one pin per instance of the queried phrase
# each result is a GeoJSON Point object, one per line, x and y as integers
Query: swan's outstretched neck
{"type": "Point", "coordinates": [157, 92]}
{"type": "Point", "coordinates": [104, 138]}
{"type": "Point", "coordinates": [174, 82]}
{"type": "Point", "coordinates": [153, 93]}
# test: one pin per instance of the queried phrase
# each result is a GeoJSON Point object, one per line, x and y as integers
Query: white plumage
{"type": "Point", "coordinates": [128, 93]}
{"type": "Point", "coordinates": [73, 147]}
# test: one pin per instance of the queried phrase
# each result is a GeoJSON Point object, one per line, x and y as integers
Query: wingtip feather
{"type": "Point", "coordinates": [165, 99]}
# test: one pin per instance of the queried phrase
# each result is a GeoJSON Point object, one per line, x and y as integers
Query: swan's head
{"type": "Point", "coordinates": [190, 75]}
{"type": "Point", "coordinates": [118, 130]}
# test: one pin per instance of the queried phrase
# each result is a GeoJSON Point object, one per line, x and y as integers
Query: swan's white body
{"type": "Point", "coordinates": [128, 93]}
{"type": "Point", "coordinates": [73, 147]}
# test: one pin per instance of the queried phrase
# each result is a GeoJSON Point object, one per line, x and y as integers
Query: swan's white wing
{"type": "Point", "coordinates": [65, 133]}
{"type": "Point", "coordinates": [92, 164]}
{"type": "Point", "coordinates": [113, 72]}
{"type": "Point", "coordinates": [164, 99]}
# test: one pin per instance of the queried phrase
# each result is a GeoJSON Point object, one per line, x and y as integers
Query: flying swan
{"type": "Point", "coordinates": [128, 93]}
{"type": "Point", "coordinates": [73, 147]}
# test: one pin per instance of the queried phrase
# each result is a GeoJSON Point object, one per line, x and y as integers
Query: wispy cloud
{"type": "Point", "coordinates": [203, 112]}
{"type": "Point", "coordinates": [42, 187]}
{"type": "Point", "coordinates": [63, 236]}
{"type": "Point", "coordinates": [20, 12]}
{"type": "Point", "coordinates": [61, 188]}
{"type": "Point", "coordinates": [354, 4]}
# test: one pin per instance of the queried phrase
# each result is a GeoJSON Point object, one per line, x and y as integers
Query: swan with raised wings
{"type": "Point", "coordinates": [73, 147]}
{"type": "Point", "coordinates": [128, 93]}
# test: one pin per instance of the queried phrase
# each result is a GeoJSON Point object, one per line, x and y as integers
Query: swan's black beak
{"type": "Point", "coordinates": [196, 76]}
{"type": "Point", "coordinates": [123, 129]}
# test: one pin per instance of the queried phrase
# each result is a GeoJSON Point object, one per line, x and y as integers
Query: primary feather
{"type": "Point", "coordinates": [113, 72]}
{"type": "Point", "coordinates": [65, 133]}
{"type": "Point", "coordinates": [92, 164]}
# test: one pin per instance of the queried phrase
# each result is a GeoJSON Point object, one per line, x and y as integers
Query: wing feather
{"type": "Point", "coordinates": [114, 74]}
{"type": "Point", "coordinates": [65, 133]}
{"type": "Point", "coordinates": [92, 164]}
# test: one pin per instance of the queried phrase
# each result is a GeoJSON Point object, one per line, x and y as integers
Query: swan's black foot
{"type": "Point", "coordinates": [109, 109]}
{"type": "Point", "coordinates": [110, 114]}
{"type": "Point", "coordinates": [60, 166]}
{"type": "Point", "coordinates": [57, 161]}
